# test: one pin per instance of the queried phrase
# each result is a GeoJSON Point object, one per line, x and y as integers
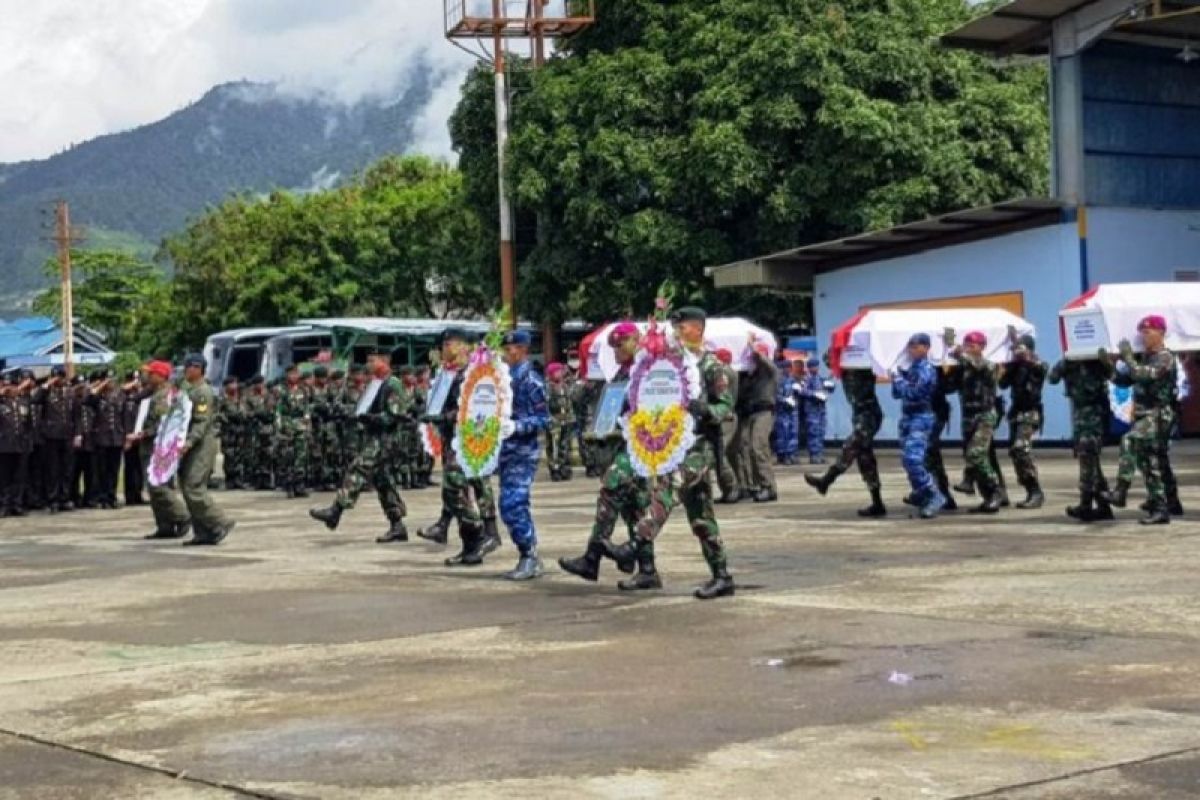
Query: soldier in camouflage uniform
{"type": "Point", "coordinates": [692, 483]}
{"type": "Point", "coordinates": [408, 441]}
{"type": "Point", "coordinates": [1087, 388]}
{"type": "Point", "coordinates": [1024, 377]}
{"type": "Point", "coordinates": [584, 395]}
{"type": "Point", "coordinates": [373, 464]}
{"type": "Point", "coordinates": [623, 493]}
{"type": "Point", "coordinates": [350, 428]}
{"type": "Point", "coordinates": [562, 422]}
{"type": "Point", "coordinates": [171, 517]}
{"type": "Point", "coordinates": [1153, 377]}
{"type": "Point", "coordinates": [424, 461]}
{"type": "Point", "coordinates": [859, 447]}
{"type": "Point", "coordinates": [470, 501]}
{"type": "Point", "coordinates": [977, 381]}
{"type": "Point", "coordinates": [259, 415]}
{"type": "Point", "coordinates": [323, 466]}
{"type": "Point", "coordinates": [233, 430]}
{"type": "Point", "coordinates": [293, 422]}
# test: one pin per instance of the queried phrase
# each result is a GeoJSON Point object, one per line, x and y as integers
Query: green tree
{"type": "Point", "coordinates": [679, 135]}
{"type": "Point", "coordinates": [112, 293]}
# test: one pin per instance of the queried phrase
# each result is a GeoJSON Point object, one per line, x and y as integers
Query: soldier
{"type": "Point", "coordinates": [757, 418]}
{"type": "Point", "coordinates": [520, 452]}
{"type": "Point", "coordinates": [915, 387]}
{"type": "Point", "coordinates": [1025, 377]}
{"type": "Point", "coordinates": [260, 435]}
{"type": "Point", "coordinates": [786, 435]}
{"type": "Point", "coordinates": [933, 455]}
{"type": "Point", "coordinates": [351, 428]}
{"type": "Point", "coordinates": [562, 422]}
{"type": "Point", "coordinates": [293, 422]}
{"type": "Point", "coordinates": [36, 482]}
{"type": "Point", "coordinates": [83, 477]}
{"type": "Point", "coordinates": [977, 382]}
{"type": "Point", "coordinates": [231, 424]}
{"type": "Point", "coordinates": [56, 404]}
{"type": "Point", "coordinates": [424, 461]}
{"type": "Point", "coordinates": [16, 442]}
{"type": "Point", "coordinates": [814, 394]}
{"type": "Point", "coordinates": [171, 518]}
{"type": "Point", "coordinates": [585, 394]}
{"type": "Point", "coordinates": [694, 486]}
{"type": "Point", "coordinates": [859, 447]}
{"type": "Point", "coordinates": [728, 479]}
{"type": "Point", "coordinates": [623, 493]}
{"type": "Point", "coordinates": [469, 501]}
{"type": "Point", "coordinates": [1087, 388]}
{"type": "Point", "coordinates": [1153, 378]}
{"type": "Point", "coordinates": [404, 454]}
{"type": "Point", "coordinates": [108, 437]}
{"type": "Point", "coordinates": [372, 465]}
{"type": "Point", "coordinates": [323, 463]}
{"type": "Point", "coordinates": [135, 470]}
{"type": "Point", "coordinates": [199, 457]}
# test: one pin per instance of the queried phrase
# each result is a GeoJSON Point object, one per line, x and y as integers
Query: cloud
{"type": "Point", "coordinates": [73, 70]}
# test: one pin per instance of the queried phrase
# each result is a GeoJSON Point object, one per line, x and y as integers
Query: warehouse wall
{"type": "Point", "coordinates": [1127, 245]}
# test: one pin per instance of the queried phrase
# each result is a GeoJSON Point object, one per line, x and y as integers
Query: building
{"type": "Point", "coordinates": [38, 343]}
{"type": "Point", "coordinates": [1125, 204]}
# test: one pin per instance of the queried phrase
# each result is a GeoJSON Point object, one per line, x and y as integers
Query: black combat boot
{"type": "Point", "coordinates": [1158, 515]}
{"type": "Point", "coordinates": [330, 516]}
{"type": "Point", "coordinates": [469, 556]}
{"type": "Point", "coordinates": [990, 504]}
{"type": "Point", "coordinates": [766, 495]}
{"type": "Point", "coordinates": [300, 491]}
{"type": "Point", "coordinates": [1034, 498]}
{"type": "Point", "coordinates": [1174, 507]}
{"type": "Point", "coordinates": [944, 487]}
{"type": "Point", "coordinates": [396, 533]}
{"type": "Point", "coordinates": [529, 566]}
{"type": "Point", "coordinates": [438, 531]}
{"type": "Point", "coordinates": [721, 585]}
{"type": "Point", "coordinates": [822, 482]}
{"type": "Point", "coordinates": [877, 508]}
{"type": "Point", "coordinates": [965, 486]}
{"type": "Point", "coordinates": [1002, 495]}
{"type": "Point", "coordinates": [586, 566]}
{"type": "Point", "coordinates": [1085, 511]}
{"type": "Point", "coordinates": [625, 555]}
{"type": "Point", "coordinates": [491, 537]}
{"type": "Point", "coordinates": [566, 474]}
{"type": "Point", "coordinates": [646, 577]}
{"type": "Point", "coordinates": [1117, 497]}
{"type": "Point", "coordinates": [730, 498]}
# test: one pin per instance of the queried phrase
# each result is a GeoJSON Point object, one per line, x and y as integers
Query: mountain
{"type": "Point", "coordinates": [132, 188]}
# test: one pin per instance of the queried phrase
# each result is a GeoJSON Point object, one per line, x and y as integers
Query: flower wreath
{"type": "Point", "coordinates": [477, 439]}
{"type": "Point", "coordinates": [658, 439]}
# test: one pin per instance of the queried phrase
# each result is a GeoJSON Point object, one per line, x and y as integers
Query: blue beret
{"type": "Point", "coordinates": [518, 337]}
{"type": "Point", "coordinates": [919, 338]}
{"type": "Point", "coordinates": [813, 362]}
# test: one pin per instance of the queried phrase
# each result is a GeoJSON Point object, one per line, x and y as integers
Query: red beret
{"type": "Point", "coordinates": [1156, 321]}
{"type": "Point", "coordinates": [622, 330]}
{"type": "Point", "coordinates": [159, 368]}
{"type": "Point", "coordinates": [554, 369]}
{"type": "Point", "coordinates": [975, 337]}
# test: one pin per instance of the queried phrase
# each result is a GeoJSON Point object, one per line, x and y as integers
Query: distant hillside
{"type": "Point", "coordinates": [132, 188]}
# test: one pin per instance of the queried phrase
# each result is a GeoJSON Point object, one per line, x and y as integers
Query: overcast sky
{"type": "Point", "coordinates": [74, 69]}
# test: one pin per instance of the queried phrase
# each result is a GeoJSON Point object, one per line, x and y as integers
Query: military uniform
{"type": "Point", "coordinates": [727, 475]}
{"type": "Point", "coordinates": [813, 397]}
{"type": "Point", "coordinates": [294, 438]}
{"type": "Point", "coordinates": [859, 447]}
{"type": "Point", "coordinates": [1153, 378]}
{"type": "Point", "coordinates": [786, 435]}
{"type": "Point", "coordinates": [108, 440]}
{"type": "Point", "coordinates": [233, 428]}
{"type": "Point", "coordinates": [134, 469]}
{"type": "Point", "coordinates": [1087, 387]}
{"type": "Point", "coordinates": [519, 455]}
{"type": "Point", "coordinates": [197, 465]}
{"type": "Point", "coordinates": [977, 381]}
{"type": "Point", "coordinates": [915, 388]}
{"type": "Point", "coordinates": [756, 419]}
{"type": "Point", "coordinates": [259, 414]}
{"type": "Point", "coordinates": [1025, 377]}
{"type": "Point", "coordinates": [83, 473]}
{"type": "Point", "coordinates": [16, 444]}
{"type": "Point", "coordinates": [560, 430]}
{"type": "Point", "coordinates": [323, 463]}
{"type": "Point", "coordinates": [585, 394]}
{"type": "Point", "coordinates": [58, 421]}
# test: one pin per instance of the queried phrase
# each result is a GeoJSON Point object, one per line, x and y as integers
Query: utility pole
{"type": "Point", "coordinates": [535, 26]}
{"type": "Point", "coordinates": [64, 237]}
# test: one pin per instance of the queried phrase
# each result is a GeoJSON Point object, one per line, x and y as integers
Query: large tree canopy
{"type": "Point", "coordinates": [676, 135]}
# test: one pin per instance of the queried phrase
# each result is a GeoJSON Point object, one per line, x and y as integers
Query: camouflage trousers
{"type": "Point", "coordinates": [326, 464]}
{"type": "Point", "coordinates": [1146, 448]}
{"type": "Point", "coordinates": [624, 495]}
{"type": "Point", "coordinates": [859, 448]}
{"type": "Point", "coordinates": [979, 433]}
{"type": "Point", "coordinates": [374, 466]}
{"type": "Point", "coordinates": [234, 459]}
{"type": "Point", "coordinates": [692, 486]}
{"type": "Point", "coordinates": [915, 431]}
{"type": "Point", "coordinates": [469, 500]}
{"type": "Point", "coordinates": [261, 460]}
{"type": "Point", "coordinates": [1087, 423]}
{"type": "Point", "coordinates": [1023, 426]}
{"type": "Point", "coordinates": [291, 459]}
{"type": "Point", "coordinates": [558, 446]}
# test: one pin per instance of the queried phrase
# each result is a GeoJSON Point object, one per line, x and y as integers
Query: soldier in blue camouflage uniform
{"type": "Point", "coordinates": [520, 453]}
{"type": "Point", "coordinates": [785, 438]}
{"type": "Point", "coordinates": [1087, 388]}
{"type": "Point", "coordinates": [373, 465]}
{"type": "Point", "coordinates": [692, 483]}
{"type": "Point", "coordinates": [1153, 377]}
{"type": "Point", "coordinates": [469, 500]}
{"type": "Point", "coordinates": [624, 495]}
{"type": "Point", "coordinates": [814, 393]}
{"type": "Point", "coordinates": [859, 447]}
{"type": "Point", "coordinates": [1024, 377]}
{"type": "Point", "coordinates": [914, 387]}
{"type": "Point", "coordinates": [294, 425]}
{"type": "Point", "coordinates": [977, 380]}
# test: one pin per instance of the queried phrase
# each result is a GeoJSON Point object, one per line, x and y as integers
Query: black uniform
{"type": "Point", "coordinates": [108, 441]}
{"type": "Point", "coordinates": [16, 443]}
{"type": "Point", "coordinates": [56, 413]}
{"type": "Point", "coordinates": [135, 471]}
{"type": "Point", "coordinates": [83, 474]}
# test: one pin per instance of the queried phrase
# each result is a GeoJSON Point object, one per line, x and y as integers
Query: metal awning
{"type": "Point", "coordinates": [795, 269]}
{"type": "Point", "coordinates": [1023, 27]}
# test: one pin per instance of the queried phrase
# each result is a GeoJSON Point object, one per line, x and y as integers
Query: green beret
{"type": "Point", "coordinates": [688, 314]}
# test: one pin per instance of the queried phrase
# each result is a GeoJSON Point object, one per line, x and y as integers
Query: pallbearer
{"type": "Point", "coordinates": [915, 387]}
{"type": "Point", "coordinates": [859, 447]}
{"type": "Point", "coordinates": [1025, 377]}
{"type": "Point", "coordinates": [1087, 388]}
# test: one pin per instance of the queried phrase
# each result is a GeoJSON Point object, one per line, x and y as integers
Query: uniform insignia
{"type": "Point", "coordinates": [202, 408]}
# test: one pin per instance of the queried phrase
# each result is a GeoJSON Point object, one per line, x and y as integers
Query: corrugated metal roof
{"type": "Point", "coordinates": [795, 268]}
{"type": "Point", "coordinates": [32, 336]}
{"type": "Point", "coordinates": [1023, 27]}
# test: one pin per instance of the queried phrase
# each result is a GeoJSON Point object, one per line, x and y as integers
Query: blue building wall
{"type": "Point", "coordinates": [1141, 118]}
{"type": "Point", "coordinates": [1131, 245]}
{"type": "Point", "coordinates": [1043, 264]}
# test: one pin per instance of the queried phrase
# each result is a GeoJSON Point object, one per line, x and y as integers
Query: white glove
{"type": "Point", "coordinates": [821, 396]}
{"type": "Point", "coordinates": [507, 428]}
{"type": "Point", "coordinates": [1122, 368]}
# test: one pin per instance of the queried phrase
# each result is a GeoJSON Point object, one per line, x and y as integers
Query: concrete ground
{"type": "Point", "coordinates": [1022, 656]}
